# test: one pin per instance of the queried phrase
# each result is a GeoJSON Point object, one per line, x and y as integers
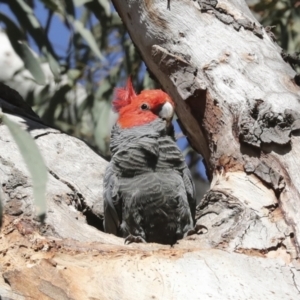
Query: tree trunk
{"type": "Point", "coordinates": [238, 103]}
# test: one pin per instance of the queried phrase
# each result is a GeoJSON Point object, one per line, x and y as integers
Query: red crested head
{"type": "Point", "coordinates": [138, 110]}
{"type": "Point", "coordinates": [123, 96]}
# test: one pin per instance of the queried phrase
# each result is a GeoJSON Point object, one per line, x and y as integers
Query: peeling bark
{"type": "Point", "coordinates": [238, 102]}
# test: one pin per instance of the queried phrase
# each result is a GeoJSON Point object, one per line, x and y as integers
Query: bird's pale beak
{"type": "Point", "coordinates": [166, 112]}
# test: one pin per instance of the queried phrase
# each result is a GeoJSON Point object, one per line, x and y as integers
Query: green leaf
{"type": "Point", "coordinates": [116, 20]}
{"type": "Point", "coordinates": [53, 64]}
{"type": "Point", "coordinates": [53, 5]}
{"type": "Point", "coordinates": [32, 64]}
{"type": "Point", "coordinates": [14, 33]}
{"type": "Point", "coordinates": [70, 7]}
{"type": "Point", "coordinates": [101, 111]}
{"type": "Point", "coordinates": [55, 101]}
{"type": "Point", "coordinates": [74, 74]}
{"type": "Point", "coordinates": [11, 25]}
{"type": "Point", "coordinates": [106, 6]}
{"type": "Point", "coordinates": [30, 61]}
{"type": "Point", "coordinates": [29, 12]}
{"type": "Point", "coordinates": [81, 2]}
{"type": "Point", "coordinates": [34, 162]}
{"type": "Point", "coordinates": [27, 19]}
{"type": "Point", "coordinates": [104, 87]}
{"type": "Point", "coordinates": [86, 34]}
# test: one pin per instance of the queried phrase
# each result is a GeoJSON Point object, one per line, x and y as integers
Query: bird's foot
{"type": "Point", "coordinates": [133, 239]}
{"type": "Point", "coordinates": [198, 229]}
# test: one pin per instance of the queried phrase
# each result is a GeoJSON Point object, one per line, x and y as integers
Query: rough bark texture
{"type": "Point", "coordinates": [239, 104]}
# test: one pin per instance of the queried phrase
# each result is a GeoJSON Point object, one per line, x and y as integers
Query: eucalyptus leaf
{"type": "Point", "coordinates": [29, 12]}
{"type": "Point", "coordinates": [104, 87]}
{"type": "Point", "coordinates": [102, 113]}
{"type": "Point", "coordinates": [27, 19]}
{"type": "Point", "coordinates": [54, 65]}
{"type": "Point", "coordinates": [86, 34]}
{"type": "Point", "coordinates": [81, 2]}
{"type": "Point", "coordinates": [34, 162]}
{"type": "Point", "coordinates": [11, 25]}
{"type": "Point", "coordinates": [14, 33]}
{"type": "Point", "coordinates": [74, 74]}
{"type": "Point", "coordinates": [53, 5]}
{"type": "Point", "coordinates": [32, 64]}
{"type": "Point", "coordinates": [116, 20]}
{"type": "Point", "coordinates": [70, 7]}
{"type": "Point", "coordinates": [55, 102]}
{"type": "Point", "coordinates": [106, 6]}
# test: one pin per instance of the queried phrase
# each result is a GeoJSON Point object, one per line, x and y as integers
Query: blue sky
{"type": "Point", "coordinates": [58, 32]}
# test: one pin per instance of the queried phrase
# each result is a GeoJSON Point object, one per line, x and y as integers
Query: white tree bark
{"type": "Point", "coordinates": [239, 105]}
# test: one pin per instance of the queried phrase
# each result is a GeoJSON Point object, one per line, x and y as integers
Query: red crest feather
{"type": "Point", "coordinates": [123, 96]}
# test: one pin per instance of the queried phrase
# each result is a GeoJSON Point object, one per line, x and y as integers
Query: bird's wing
{"type": "Point", "coordinates": [190, 190]}
{"type": "Point", "coordinates": [112, 202]}
{"type": "Point", "coordinates": [129, 159]}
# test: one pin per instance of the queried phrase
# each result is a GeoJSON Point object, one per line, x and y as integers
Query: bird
{"type": "Point", "coordinates": [149, 195]}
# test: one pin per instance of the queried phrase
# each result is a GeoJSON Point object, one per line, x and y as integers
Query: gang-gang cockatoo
{"type": "Point", "coordinates": [149, 195]}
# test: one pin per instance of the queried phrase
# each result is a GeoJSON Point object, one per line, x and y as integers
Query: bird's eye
{"type": "Point", "coordinates": [144, 106]}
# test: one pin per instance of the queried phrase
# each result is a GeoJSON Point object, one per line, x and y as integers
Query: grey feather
{"type": "Point", "coordinates": [111, 217]}
{"type": "Point", "coordinates": [148, 189]}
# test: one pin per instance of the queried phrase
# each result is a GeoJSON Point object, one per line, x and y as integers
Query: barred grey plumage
{"type": "Point", "coordinates": [148, 189]}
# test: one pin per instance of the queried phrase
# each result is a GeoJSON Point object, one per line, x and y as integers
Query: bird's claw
{"type": "Point", "coordinates": [198, 229]}
{"type": "Point", "coordinates": [133, 239]}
